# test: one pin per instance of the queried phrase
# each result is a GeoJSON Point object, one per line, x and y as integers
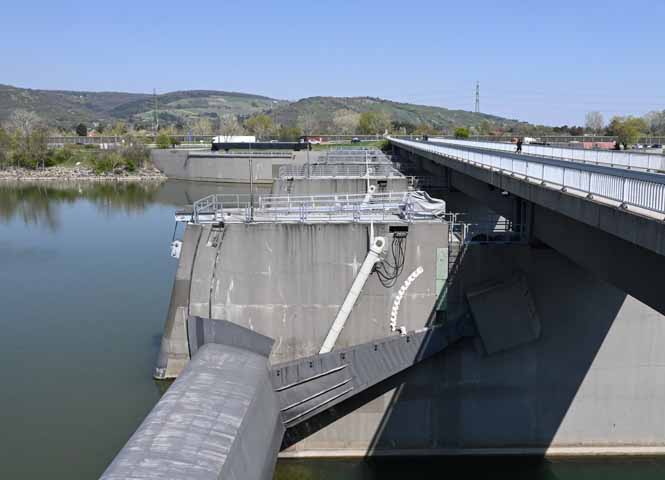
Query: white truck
{"type": "Point", "coordinates": [234, 139]}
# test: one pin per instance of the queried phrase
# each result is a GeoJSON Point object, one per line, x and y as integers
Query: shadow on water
{"type": "Point", "coordinates": [496, 468]}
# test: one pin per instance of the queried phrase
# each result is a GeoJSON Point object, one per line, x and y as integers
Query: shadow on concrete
{"type": "Point", "coordinates": [463, 399]}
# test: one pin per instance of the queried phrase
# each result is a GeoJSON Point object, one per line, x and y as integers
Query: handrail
{"type": "Point", "coordinates": [628, 187]}
{"type": "Point", "coordinates": [612, 158]}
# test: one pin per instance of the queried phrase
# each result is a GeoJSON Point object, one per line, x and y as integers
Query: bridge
{"type": "Point", "coordinates": [605, 210]}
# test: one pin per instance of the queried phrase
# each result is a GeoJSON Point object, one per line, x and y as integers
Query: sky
{"type": "Point", "coordinates": [542, 62]}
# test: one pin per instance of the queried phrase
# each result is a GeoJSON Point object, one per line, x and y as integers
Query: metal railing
{"type": "Point", "coordinates": [342, 207]}
{"type": "Point", "coordinates": [611, 158]}
{"type": "Point", "coordinates": [627, 187]}
{"type": "Point", "coordinates": [337, 170]}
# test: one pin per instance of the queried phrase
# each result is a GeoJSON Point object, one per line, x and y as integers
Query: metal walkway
{"type": "Point", "coordinates": [627, 187]}
{"type": "Point", "coordinates": [649, 162]}
{"type": "Point", "coordinates": [393, 206]}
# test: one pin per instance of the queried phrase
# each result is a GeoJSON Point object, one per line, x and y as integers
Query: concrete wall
{"type": "Point", "coordinates": [287, 281]}
{"type": "Point", "coordinates": [594, 380]}
{"type": "Point", "coordinates": [324, 186]}
{"type": "Point", "coordinates": [212, 167]}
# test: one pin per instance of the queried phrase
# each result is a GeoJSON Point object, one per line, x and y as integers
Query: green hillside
{"type": "Point", "coordinates": [321, 114]}
{"type": "Point", "coordinates": [329, 113]}
{"type": "Point", "coordinates": [63, 108]}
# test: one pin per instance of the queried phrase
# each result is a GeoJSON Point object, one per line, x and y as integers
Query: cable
{"type": "Point", "coordinates": [388, 271]}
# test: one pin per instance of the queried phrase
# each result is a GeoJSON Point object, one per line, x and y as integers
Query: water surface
{"type": "Point", "coordinates": [85, 280]}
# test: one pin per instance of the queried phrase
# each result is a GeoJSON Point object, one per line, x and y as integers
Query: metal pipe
{"type": "Point", "coordinates": [356, 288]}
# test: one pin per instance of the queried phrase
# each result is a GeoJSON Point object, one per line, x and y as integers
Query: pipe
{"type": "Point", "coordinates": [358, 283]}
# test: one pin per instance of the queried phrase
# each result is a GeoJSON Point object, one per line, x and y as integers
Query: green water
{"type": "Point", "coordinates": [85, 279]}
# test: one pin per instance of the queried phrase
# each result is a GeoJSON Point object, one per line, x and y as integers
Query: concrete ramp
{"type": "Point", "coordinates": [219, 419]}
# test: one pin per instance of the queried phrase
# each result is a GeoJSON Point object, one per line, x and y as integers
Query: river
{"type": "Point", "coordinates": [85, 279]}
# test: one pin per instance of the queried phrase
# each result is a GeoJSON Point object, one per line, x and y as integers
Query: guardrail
{"type": "Point", "coordinates": [341, 207]}
{"type": "Point", "coordinates": [336, 170]}
{"type": "Point", "coordinates": [611, 158]}
{"type": "Point", "coordinates": [628, 187]}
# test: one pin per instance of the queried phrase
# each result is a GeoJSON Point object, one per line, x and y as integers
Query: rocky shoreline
{"type": "Point", "coordinates": [80, 173]}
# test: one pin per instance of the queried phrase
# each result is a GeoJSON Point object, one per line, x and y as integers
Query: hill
{"type": "Point", "coordinates": [330, 113]}
{"type": "Point", "coordinates": [65, 109]}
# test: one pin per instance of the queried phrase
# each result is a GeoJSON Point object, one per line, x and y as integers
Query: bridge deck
{"type": "Point", "coordinates": [626, 187]}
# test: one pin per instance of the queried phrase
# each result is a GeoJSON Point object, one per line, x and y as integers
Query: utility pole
{"type": "Point", "coordinates": [155, 113]}
{"type": "Point", "coordinates": [477, 110]}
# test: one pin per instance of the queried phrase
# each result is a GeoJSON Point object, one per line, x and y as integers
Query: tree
{"type": "Point", "coordinates": [202, 126]}
{"type": "Point", "coordinates": [81, 130]}
{"type": "Point", "coordinates": [425, 129]}
{"type": "Point", "coordinates": [230, 127]}
{"type": "Point", "coordinates": [289, 134]}
{"type": "Point", "coordinates": [595, 122]}
{"type": "Point", "coordinates": [655, 122]}
{"type": "Point", "coordinates": [24, 122]}
{"type": "Point", "coordinates": [373, 123]}
{"type": "Point", "coordinates": [260, 125]}
{"type": "Point", "coordinates": [485, 128]}
{"type": "Point", "coordinates": [5, 144]}
{"type": "Point", "coordinates": [462, 132]}
{"type": "Point", "coordinates": [628, 130]}
{"type": "Point", "coordinates": [308, 123]}
{"type": "Point", "coordinates": [345, 121]}
{"type": "Point", "coordinates": [119, 129]}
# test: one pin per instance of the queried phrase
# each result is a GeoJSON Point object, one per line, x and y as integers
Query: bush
{"type": "Point", "coordinates": [107, 162]}
{"type": "Point", "coordinates": [135, 154]}
{"type": "Point", "coordinates": [462, 132]}
{"type": "Point", "coordinates": [164, 140]}
{"type": "Point", "coordinates": [59, 156]}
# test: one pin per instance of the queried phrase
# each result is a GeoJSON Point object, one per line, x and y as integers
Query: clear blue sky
{"type": "Point", "coordinates": [546, 62]}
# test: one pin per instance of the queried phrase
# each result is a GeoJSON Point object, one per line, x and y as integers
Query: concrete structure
{"type": "Point", "coordinates": [288, 280]}
{"type": "Point", "coordinates": [326, 185]}
{"type": "Point", "coordinates": [608, 234]}
{"type": "Point", "coordinates": [566, 354]}
{"type": "Point", "coordinates": [207, 166]}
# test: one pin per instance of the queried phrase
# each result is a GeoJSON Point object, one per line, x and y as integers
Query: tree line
{"type": "Point", "coordinates": [24, 144]}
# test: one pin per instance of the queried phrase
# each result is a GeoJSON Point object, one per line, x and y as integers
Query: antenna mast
{"type": "Point", "coordinates": [477, 110]}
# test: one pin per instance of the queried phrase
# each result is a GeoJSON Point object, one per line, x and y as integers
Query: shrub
{"type": "Point", "coordinates": [136, 154]}
{"type": "Point", "coordinates": [106, 162]}
{"type": "Point", "coordinates": [164, 140]}
{"type": "Point", "coordinates": [462, 132]}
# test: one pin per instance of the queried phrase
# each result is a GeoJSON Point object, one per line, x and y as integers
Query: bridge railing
{"type": "Point", "coordinates": [610, 158]}
{"type": "Point", "coordinates": [353, 170]}
{"type": "Point", "coordinates": [627, 187]}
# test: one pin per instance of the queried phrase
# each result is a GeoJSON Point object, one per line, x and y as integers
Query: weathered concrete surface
{"type": "Point", "coordinates": [212, 167]}
{"type": "Point", "coordinates": [593, 381]}
{"type": "Point", "coordinates": [220, 419]}
{"type": "Point", "coordinates": [325, 186]}
{"type": "Point", "coordinates": [287, 281]}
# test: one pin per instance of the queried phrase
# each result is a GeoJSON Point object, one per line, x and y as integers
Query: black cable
{"type": "Point", "coordinates": [388, 271]}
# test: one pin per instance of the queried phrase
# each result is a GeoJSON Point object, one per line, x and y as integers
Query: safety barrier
{"type": "Point", "coordinates": [628, 187]}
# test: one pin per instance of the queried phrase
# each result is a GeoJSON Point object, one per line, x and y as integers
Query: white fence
{"type": "Point", "coordinates": [640, 189]}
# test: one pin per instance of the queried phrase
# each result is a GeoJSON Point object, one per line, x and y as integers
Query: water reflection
{"type": "Point", "coordinates": [40, 202]}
